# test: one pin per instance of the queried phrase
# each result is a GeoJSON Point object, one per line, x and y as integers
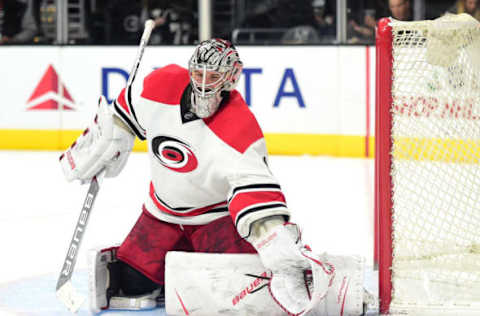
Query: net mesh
{"type": "Point", "coordinates": [436, 162]}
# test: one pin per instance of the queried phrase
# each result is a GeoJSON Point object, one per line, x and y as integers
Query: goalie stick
{"type": "Point", "coordinates": [65, 291]}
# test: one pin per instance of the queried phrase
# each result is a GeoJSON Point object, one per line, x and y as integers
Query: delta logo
{"type": "Point", "coordinates": [50, 94]}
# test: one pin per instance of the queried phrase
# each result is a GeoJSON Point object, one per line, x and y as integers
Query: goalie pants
{"type": "Point", "coordinates": [150, 239]}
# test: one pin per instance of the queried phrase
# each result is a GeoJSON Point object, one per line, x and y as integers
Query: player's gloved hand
{"type": "Point", "coordinates": [299, 279]}
{"type": "Point", "coordinates": [106, 143]}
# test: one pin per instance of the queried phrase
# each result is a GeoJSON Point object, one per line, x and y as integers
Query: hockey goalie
{"type": "Point", "coordinates": [215, 236]}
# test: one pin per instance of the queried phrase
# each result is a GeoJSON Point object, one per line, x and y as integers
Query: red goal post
{"type": "Point", "coordinates": [383, 144]}
{"type": "Point", "coordinates": [427, 166]}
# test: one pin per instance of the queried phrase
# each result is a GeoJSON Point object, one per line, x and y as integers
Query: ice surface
{"type": "Point", "coordinates": [331, 199]}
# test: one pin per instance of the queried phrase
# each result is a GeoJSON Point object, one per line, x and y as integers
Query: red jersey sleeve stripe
{"type": "Point", "coordinates": [245, 200]}
{"type": "Point", "coordinates": [121, 101]}
{"type": "Point", "coordinates": [122, 110]}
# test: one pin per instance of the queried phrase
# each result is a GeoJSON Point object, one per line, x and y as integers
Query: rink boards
{"type": "Point", "coordinates": [309, 100]}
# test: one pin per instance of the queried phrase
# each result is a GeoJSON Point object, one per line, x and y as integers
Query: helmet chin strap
{"type": "Point", "coordinates": [205, 106]}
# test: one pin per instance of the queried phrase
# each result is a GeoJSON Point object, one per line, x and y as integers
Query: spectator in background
{"type": "Point", "coordinates": [17, 22]}
{"type": "Point", "coordinates": [401, 10]}
{"type": "Point", "coordinates": [362, 32]}
{"type": "Point", "coordinates": [173, 21]}
{"type": "Point", "coordinates": [279, 14]}
{"type": "Point", "coordinates": [295, 16]}
{"type": "Point", "coordinates": [303, 34]}
{"type": "Point", "coordinates": [324, 21]}
{"type": "Point", "coordinates": [123, 23]}
{"type": "Point", "coordinates": [298, 17]}
{"type": "Point", "coordinates": [2, 17]}
{"type": "Point", "coordinates": [294, 13]}
{"type": "Point", "coordinates": [466, 6]}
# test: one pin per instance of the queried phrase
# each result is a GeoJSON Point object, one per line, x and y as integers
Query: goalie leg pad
{"type": "Point", "coordinates": [113, 284]}
{"type": "Point", "coordinates": [99, 280]}
{"type": "Point", "coordinates": [237, 284]}
{"type": "Point", "coordinates": [204, 284]}
{"type": "Point", "coordinates": [345, 295]}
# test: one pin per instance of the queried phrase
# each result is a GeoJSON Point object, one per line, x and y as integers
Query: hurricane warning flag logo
{"type": "Point", "coordinates": [50, 93]}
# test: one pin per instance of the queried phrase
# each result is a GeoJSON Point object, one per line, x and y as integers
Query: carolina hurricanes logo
{"type": "Point", "coordinates": [174, 154]}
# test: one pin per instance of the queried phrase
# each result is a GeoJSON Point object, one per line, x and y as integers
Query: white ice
{"type": "Point", "coordinates": [331, 199]}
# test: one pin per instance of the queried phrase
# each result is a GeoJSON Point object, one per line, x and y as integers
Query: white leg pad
{"type": "Point", "coordinates": [100, 279]}
{"type": "Point", "coordinates": [345, 296]}
{"type": "Point", "coordinates": [222, 284]}
{"type": "Point", "coordinates": [216, 284]}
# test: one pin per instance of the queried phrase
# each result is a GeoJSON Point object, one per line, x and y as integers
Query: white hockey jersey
{"type": "Point", "coordinates": [202, 169]}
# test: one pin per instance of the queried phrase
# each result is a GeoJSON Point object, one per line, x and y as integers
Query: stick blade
{"type": "Point", "coordinates": [70, 297]}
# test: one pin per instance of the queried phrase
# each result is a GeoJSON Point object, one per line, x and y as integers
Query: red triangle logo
{"type": "Point", "coordinates": [50, 93]}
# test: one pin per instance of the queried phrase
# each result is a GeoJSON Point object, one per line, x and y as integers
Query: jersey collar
{"type": "Point", "coordinates": [186, 105]}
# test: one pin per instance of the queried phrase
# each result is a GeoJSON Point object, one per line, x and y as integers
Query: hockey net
{"type": "Point", "coordinates": [428, 166]}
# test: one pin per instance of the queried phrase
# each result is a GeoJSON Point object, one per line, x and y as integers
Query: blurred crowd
{"type": "Point", "coordinates": [120, 22]}
{"type": "Point", "coordinates": [97, 22]}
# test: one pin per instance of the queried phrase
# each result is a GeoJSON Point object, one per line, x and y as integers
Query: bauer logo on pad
{"type": "Point", "coordinates": [50, 93]}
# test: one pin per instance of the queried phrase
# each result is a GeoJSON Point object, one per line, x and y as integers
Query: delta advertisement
{"type": "Point", "coordinates": [309, 100]}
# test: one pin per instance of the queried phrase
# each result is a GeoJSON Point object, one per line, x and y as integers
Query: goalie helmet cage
{"type": "Point", "coordinates": [427, 166]}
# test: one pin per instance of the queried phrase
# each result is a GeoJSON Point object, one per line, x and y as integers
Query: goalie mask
{"type": "Point", "coordinates": [214, 67]}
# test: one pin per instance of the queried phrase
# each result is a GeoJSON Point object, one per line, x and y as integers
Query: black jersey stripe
{"type": "Point", "coordinates": [258, 187]}
{"type": "Point", "coordinates": [189, 209]}
{"type": "Point", "coordinates": [128, 121]}
{"type": "Point", "coordinates": [256, 209]}
{"type": "Point", "coordinates": [176, 209]}
{"type": "Point", "coordinates": [128, 99]}
{"type": "Point", "coordinates": [217, 210]}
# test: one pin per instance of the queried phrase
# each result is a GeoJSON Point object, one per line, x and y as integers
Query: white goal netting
{"type": "Point", "coordinates": [436, 164]}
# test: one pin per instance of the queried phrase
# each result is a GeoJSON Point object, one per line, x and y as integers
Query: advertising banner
{"type": "Point", "coordinates": [318, 95]}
